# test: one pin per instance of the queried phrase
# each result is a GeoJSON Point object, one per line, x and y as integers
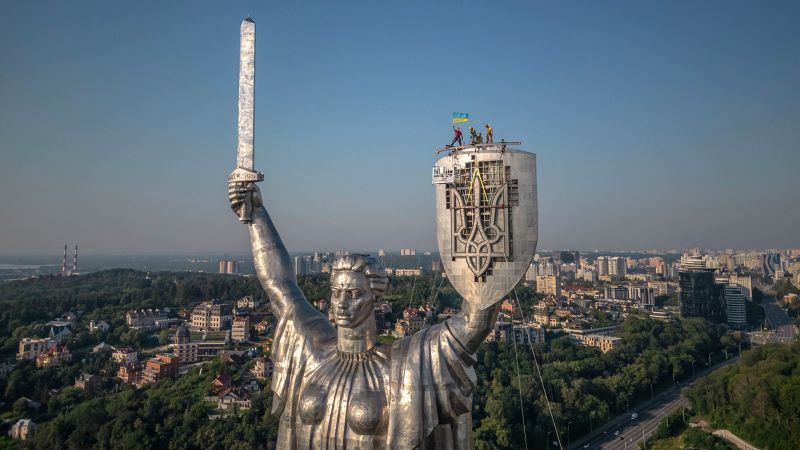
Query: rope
{"type": "Point", "coordinates": [435, 296]}
{"type": "Point", "coordinates": [413, 287]}
{"type": "Point", "coordinates": [519, 385]}
{"type": "Point", "coordinates": [539, 372]}
{"type": "Point", "coordinates": [519, 377]}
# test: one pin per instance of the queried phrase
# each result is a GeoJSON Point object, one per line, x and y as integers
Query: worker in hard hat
{"type": "Point", "coordinates": [473, 136]}
{"type": "Point", "coordinates": [489, 134]}
{"type": "Point", "coordinates": [457, 137]}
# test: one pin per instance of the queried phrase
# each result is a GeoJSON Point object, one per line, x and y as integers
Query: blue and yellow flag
{"type": "Point", "coordinates": [460, 117]}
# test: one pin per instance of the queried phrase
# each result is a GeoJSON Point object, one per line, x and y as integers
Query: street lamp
{"type": "Point", "coordinates": [548, 439]}
{"type": "Point", "coordinates": [568, 437]}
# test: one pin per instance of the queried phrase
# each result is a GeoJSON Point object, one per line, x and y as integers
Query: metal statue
{"type": "Point", "coordinates": [335, 385]}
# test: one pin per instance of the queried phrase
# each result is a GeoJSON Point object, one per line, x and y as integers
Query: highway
{"type": "Point", "coordinates": [785, 331]}
{"type": "Point", "coordinates": [633, 431]}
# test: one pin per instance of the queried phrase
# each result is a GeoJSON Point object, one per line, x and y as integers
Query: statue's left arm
{"type": "Point", "coordinates": [472, 325]}
{"type": "Point", "coordinates": [436, 377]}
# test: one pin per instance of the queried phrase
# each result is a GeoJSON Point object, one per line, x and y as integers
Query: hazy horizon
{"type": "Point", "coordinates": [658, 125]}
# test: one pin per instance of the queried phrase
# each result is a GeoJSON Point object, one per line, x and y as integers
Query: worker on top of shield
{"type": "Point", "coordinates": [473, 136]}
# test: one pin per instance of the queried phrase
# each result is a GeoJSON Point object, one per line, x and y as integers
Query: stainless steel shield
{"type": "Point", "coordinates": [486, 220]}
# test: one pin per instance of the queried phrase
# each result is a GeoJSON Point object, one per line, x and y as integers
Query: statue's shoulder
{"type": "Point", "coordinates": [308, 322]}
{"type": "Point", "coordinates": [409, 344]}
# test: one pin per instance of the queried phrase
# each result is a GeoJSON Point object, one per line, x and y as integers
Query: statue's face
{"type": "Point", "coordinates": [351, 299]}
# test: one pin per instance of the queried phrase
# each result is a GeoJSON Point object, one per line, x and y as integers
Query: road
{"type": "Point", "coordinates": [785, 331]}
{"type": "Point", "coordinates": [632, 431]}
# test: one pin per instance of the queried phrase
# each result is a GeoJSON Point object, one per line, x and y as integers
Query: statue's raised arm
{"type": "Point", "coordinates": [270, 257]}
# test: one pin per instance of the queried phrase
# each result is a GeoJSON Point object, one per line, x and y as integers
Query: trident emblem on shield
{"type": "Point", "coordinates": [487, 220]}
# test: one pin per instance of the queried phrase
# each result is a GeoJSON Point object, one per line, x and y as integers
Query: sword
{"type": "Point", "coordinates": [244, 172]}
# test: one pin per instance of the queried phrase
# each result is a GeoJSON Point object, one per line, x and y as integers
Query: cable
{"type": "Point", "coordinates": [519, 384]}
{"type": "Point", "coordinates": [435, 297]}
{"type": "Point", "coordinates": [539, 372]}
{"type": "Point", "coordinates": [516, 361]}
{"type": "Point", "coordinates": [413, 287]}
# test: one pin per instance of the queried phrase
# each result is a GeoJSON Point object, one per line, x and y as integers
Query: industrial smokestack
{"type": "Point", "coordinates": [75, 260]}
{"type": "Point", "coordinates": [64, 262]}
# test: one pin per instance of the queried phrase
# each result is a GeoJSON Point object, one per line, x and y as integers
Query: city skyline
{"type": "Point", "coordinates": [658, 126]}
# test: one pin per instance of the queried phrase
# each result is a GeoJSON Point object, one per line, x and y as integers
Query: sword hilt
{"type": "Point", "coordinates": [246, 213]}
{"type": "Point", "coordinates": [243, 176]}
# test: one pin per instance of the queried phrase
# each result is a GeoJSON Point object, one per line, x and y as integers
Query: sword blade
{"type": "Point", "coordinates": [247, 86]}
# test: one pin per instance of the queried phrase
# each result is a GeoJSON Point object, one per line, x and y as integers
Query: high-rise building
{"type": "Point", "coordinates": [227, 266]}
{"type": "Point", "coordinates": [661, 268]}
{"type": "Point", "coordinates": [771, 262]}
{"type": "Point", "coordinates": [602, 266]}
{"type": "Point", "coordinates": [566, 257]}
{"type": "Point", "coordinates": [617, 267]}
{"type": "Point", "coordinates": [643, 294]}
{"type": "Point", "coordinates": [546, 267]}
{"type": "Point", "coordinates": [700, 295]}
{"type": "Point", "coordinates": [530, 274]}
{"type": "Point", "coordinates": [589, 275]}
{"type": "Point", "coordinates": [316, 263]}
{"type": "Point", "coordinates": [693, 262]}
{"type": "Point", "coordinates": [746, 282]}
{"type": "Point", "coordinates": [735, 310]}
{"type": "Point", "coordinates": [548, 285]}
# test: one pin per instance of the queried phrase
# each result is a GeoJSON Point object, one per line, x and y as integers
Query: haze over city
{"type": "Point", "coordinates": [664, 125]}
{"type": "Point", "coordinates": [408, 225]}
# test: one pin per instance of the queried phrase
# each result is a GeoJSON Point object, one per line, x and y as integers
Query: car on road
{"type": "Point", "coordinates": [634, 416]}
{"type": "Point", "coordinates": [616, 433]}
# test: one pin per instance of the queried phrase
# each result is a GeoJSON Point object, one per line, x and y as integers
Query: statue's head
{"type": "Point", "coordinates": [357, 282]}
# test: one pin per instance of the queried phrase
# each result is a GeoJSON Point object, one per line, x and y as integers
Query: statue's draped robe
{"type": "Point", "coordinates": [415, 394]}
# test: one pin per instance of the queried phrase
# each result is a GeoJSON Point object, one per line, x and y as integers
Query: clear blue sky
{"type": "Point", "coordinates": [656, 124]}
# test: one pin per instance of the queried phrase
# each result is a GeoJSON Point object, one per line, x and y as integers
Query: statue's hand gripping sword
{"type": "Point", "coordinates": [244, 172]}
